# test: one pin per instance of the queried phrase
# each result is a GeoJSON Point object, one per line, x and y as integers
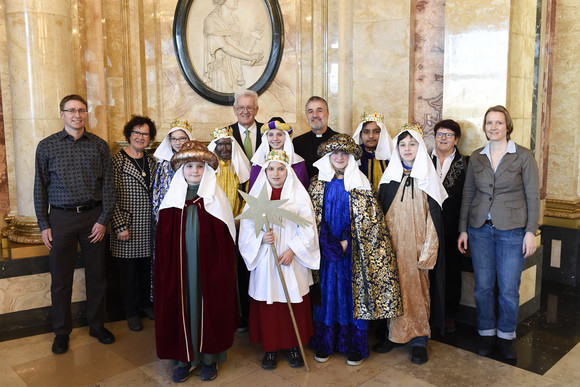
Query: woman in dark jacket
{"type": "Point", "coordinates": [451, 167]}
{"type": "Point", "coordinates": [131, 238]}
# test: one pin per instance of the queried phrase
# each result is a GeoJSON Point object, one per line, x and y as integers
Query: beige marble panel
{"type": "Point", "coordinates": [467, 286]}
{"type": "Point", "coordinates": [57, 7]}
{"type": "Point", "coordinates": [564, 159]}
{"type": "Point", "coordinates": [33, 291]}
{"type": "Point", "coordinates": [28, 132]}
{"type": "Point", "coordinates": [476, 62]}
{"type": "Point", "coordinates": [381, 41]}
{"type": "Point", "coordinates": [40, 71]}
{"type": "Point", "coordinates": [528, 284]}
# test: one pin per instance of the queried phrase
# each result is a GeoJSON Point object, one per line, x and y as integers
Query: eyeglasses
{"type": "Point", "coordinates": [136, 133]}
{"type": "Point", "coordinates": [249, 109]}
{"type": "Point", "coordinates": [75, 111]}
{"type": "Point", "coordinates": [180, 139]}
{"type": "Point", "coordinates": [441, 134]}
{"type": "Point", "coordinates": [222, 145]}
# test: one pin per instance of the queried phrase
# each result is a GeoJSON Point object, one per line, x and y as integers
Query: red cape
{"type": "Point", "coordinates": [220, 315]}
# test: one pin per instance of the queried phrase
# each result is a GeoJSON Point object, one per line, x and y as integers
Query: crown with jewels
{"type": "Point", "coordinates": [277, 155]}
{"type": "Point", "coordinates": [218, 133]}
{"type": "Point", "coordinates": [276, 125]}
{"type": "Point", "coordinates": [414, 127]}
{"type": "Point", "coordinates": [377, 117]}
{"type": "Point", "coordinates": [183, 124]}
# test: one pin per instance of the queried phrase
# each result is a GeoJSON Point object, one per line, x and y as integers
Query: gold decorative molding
{"type": "Point", "coordinates": [22, 229]}
{"type": "Point", "coordinates": [566, 209]}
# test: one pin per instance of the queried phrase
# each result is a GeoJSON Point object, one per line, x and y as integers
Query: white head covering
{"type": "Point", "coordinates": [353, 177]}
{"type": "Point", "coordinates": [383, 151]}
{"type": "Point", "coordinates": [239, 160]}
{"type": "Point", "coordinates": [165, 151]}
{"type": "Point", "coordinates": [260, 156]}
{"type": "Point", "coordinates": [215, 200]}
{"type": "Point", "coordinates": [423, 170]}
{"type": "Point", "coordinates": [292, 189]}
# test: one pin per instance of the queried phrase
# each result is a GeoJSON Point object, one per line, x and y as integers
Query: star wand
{"type": "Point", "coordinates": [264, 212]}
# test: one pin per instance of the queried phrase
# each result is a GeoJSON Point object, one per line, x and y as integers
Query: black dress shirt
{"type": "Point", "coordinates": [73, 173]}
{"type": "Point", "coordinates": [306, 146]}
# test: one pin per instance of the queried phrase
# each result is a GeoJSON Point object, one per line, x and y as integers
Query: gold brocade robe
{"type": "Point", "coordinates": [416, 247]}
{"type": "Point", "coordinates": [228, 181]}
{"type": "Point", "coordinates": [375, 284]}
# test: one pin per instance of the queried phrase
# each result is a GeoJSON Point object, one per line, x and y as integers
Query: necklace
{"type": "Point", "coordinates": [141, 168]}
{"type": "Point", "coordinates": [338, 173]}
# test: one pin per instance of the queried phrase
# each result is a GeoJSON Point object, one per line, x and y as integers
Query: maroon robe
{"type": "Point", "coordinates": [219, 315]}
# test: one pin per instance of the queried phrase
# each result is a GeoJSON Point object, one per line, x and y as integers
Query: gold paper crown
{"type": "Point", "coordinates": [377, 117]}
{"type": "Point", "coordinates": [414, 127]}
{"type": "Point", "coordinates": [218, 133]}
{"type": "Point", "coordinates": [277, 155]}
{"type": "Point", "coordinates": [276, 125]}
{"type": "Point", "coordinates": [183, 124]}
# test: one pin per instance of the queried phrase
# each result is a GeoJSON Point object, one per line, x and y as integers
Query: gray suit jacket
{"type": "Point", "coordinates": [510, 195]}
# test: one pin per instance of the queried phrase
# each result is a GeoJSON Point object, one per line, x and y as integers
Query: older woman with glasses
{"type": "Point", "coordinates": [131, 243]}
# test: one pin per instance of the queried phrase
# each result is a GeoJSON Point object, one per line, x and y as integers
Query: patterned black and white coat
{"type": "Point", "coordinates": [133, 210]}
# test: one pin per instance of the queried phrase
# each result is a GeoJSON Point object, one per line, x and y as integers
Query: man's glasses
{"type": "Point", "coordinates": [249, 109]}
{"type": "Point", "coordinates": [179, 139]}
{"type": "Point", "coordinates": [440, 134]}
{"type": "Point", "coordinates": [75, 111]}
{"type": "Point", "coordinates": [136, 133]}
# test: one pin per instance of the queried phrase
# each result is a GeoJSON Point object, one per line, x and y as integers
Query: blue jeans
{"type": "Point", "coordinates": [497, 254]}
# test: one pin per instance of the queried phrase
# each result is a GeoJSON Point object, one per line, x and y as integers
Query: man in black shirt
{"type": "Point", "coordinates": [74, 198]}
{"type": "Point", "coordinates": [306, 144]}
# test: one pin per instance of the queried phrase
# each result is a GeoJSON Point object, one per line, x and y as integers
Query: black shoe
{"type": "Point", "coordinates": [354, 359]}
{"type": "Point", "coordinates": [148, 312]}
{"type": "Point", "coordinates": [507, 349]}
{"type": "Point", "coordinates": [270, 361]}
{"type": "Point", "coordinates": [321, 356]}
{"type": "Point", "coordinates": [385, 346]}
{"type": "Point", "coordinates": [294, 358]}
{"type": "Point", "coordinates": [181, 374]}
{"type": "Point", "coordinates": [135, 324]}
{"type": "Point", "coordinates": [419, 355]}
{"type": "Point", "coordinates": [103, 335]}
{"type": "Point", "coordinates": [60, 344]}
{"type": "Point", "coordinates": [208, 372]}
{"type": "Point", "coordinates": [485, 345]}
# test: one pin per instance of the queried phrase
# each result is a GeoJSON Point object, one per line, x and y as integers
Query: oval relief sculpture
{"type": "Point", "coordinates": [223, 46]}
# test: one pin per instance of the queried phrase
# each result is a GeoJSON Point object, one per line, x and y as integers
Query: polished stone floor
{"type": "Point", "coordinates": [548, 347]}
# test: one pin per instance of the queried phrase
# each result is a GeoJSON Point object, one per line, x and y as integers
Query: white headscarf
{"type": "Point", "coordinates": [423, 170]}
{"type": "Point", "coordinates": [260, 156]}
{"type": "Point", "coordinates": [353, 177]}
{"type": "Point", "coordinates": [383, 151]}
{"type": "Point", "coordinates": [165, 151]}
{"type": "Point", "coordinates": [239, 160]}
{"type": "Point", "coordinates": [292, 189]}
{"type": "Point", "coordinates": [215, 200]}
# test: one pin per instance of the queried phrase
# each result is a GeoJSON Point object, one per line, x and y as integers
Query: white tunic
{"type": "Point", "coordinates": [265, 284]}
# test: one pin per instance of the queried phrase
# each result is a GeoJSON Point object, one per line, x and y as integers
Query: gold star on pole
{"type": "Point", "coordinates": [265, 211]}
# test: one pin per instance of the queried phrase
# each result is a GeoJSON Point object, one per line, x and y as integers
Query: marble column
{"type": "Point", "coordinates": [41, 72]}
{"type": "Point", "coordinates": [476, 64]}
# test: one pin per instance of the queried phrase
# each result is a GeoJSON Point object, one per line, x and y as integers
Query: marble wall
{"type": "Point", "coordinates": [410, 60]}
{"type": "Point", "coordinates": [522, 39]}
{"type": "Point", "coordinates": [476, 64]}
{"type": "Point", "coordinates": [564, 158]}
